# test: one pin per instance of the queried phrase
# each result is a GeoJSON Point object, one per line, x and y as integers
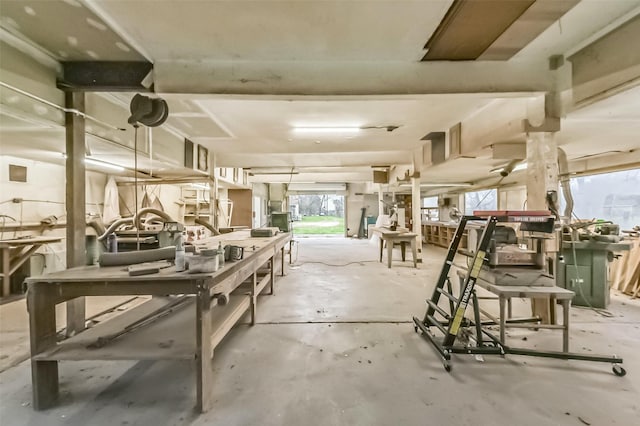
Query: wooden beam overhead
{"type": "Point", "coordinates": [470, 27]}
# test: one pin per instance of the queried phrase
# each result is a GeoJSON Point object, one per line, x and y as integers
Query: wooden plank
{"type": "Point", "coordinates": [224, 319]}
{"type": "Point", "coordinates": [170, 337]}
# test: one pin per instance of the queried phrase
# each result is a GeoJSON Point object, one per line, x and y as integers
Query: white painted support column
{"type": "Point", "coordinates": [380, 198]}
{"type": "Point", "coordinates": [542, 176]}
{"type": "Point", "coordinates": [542, 168]}
{"type": "Point", "coordinates": [416, 203]}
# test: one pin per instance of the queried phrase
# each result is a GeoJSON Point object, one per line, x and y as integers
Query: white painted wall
{"type": "Point", "coordinates": [169, 195]}
{"type": "Point", "coordinates": [357, 198]}
{"type": "Point", "coordinates": [43, 195]}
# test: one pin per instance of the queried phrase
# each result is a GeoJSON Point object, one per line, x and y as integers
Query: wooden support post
{"type": "Point", "coordinates": [272, 272]}
{"type": "Point", "coordinates": [42, 324]}
{"type": "Point", "coordinates": [254, 296]}
{"type": "Point", "coordinates": [75, 202]}
{"type": "Point", "coordinates": [6, 268]}
{"type": "Point", "coordinates": [204, 372]}
{"type": "Point", "coordinates": [416, 203]}
{"type": "Point", "coordinates": [542, 176]}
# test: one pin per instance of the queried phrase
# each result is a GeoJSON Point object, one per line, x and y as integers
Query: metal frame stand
{"type": "Point", "coordinates": [455, 327]}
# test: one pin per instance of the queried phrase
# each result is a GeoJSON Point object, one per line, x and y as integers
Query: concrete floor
{"type": "Point", "coordinates": [335, 346]}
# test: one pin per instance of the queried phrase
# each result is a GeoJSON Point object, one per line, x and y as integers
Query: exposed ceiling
{"type": "Point", "coordinates": [256, 131]}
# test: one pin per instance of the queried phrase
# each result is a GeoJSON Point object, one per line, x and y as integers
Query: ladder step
{"type": "Point", "coordinates": [438, 309]}
{"type": "Point", "coordinates": [435, 322]}
{"type": "Point", "coordinates": [447, 295]}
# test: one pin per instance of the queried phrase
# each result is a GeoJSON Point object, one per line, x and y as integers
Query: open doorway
{"type": "Point", "coordinates": [317, 214]}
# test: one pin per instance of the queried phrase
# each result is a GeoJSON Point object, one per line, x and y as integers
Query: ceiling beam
{"type": "Point", "coordinates": [105, 76]}
{"type": "Point", "coordinates": [352, 78]}
{"type": "Point", "coordinates": [607, 66]}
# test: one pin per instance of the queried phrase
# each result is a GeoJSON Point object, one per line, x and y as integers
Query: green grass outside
{"type": "Point", "coordinates": [319, 225]}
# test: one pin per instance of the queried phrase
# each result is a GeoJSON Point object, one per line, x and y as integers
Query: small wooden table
{"type": "Point", "coordinates": [399, 236]}
{"type": "Point", "coordinates": [15, 252]}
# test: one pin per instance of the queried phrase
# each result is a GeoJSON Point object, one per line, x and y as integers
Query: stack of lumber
{"type": "Point", "coordinates": [625, 271]}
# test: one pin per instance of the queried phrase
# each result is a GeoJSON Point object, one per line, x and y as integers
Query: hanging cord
{"type": "Point", "coordinates": [135, 181]}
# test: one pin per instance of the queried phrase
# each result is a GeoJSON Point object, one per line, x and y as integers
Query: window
{"type": "Point", "coordinates": [611, 196]}
{"type": "Point", "coordinates": [430, 202]}
{"type": "Point", "coordinates": [480, 200]}
{"type": "Point", "coordinates": [430, 211]}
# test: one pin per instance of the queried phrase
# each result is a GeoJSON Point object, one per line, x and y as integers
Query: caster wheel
{"type": "Point", "coordinates": [619, 371]}
{"type": "Point", "coordinates": [447, 368]}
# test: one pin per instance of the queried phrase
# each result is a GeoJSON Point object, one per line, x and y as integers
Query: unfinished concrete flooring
{"type": "Point", "coordinates": [336, 346]}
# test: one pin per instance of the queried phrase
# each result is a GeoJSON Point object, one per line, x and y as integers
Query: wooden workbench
{"type": "Point", "coordinates": [15, 252]}
{"type": "Point", "coordinates": [401, 236]}
{"type": "Point", "coordinates": [190, 331]}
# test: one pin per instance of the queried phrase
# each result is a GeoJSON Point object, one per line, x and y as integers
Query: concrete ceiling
{"type": "Point", "coordinates": [251, 129]}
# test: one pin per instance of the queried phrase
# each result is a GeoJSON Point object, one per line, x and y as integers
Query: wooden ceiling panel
{"type": "Point", "coordinates": [471, 26]}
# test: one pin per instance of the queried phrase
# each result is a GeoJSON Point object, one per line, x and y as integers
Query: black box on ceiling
{"type": "Point", "coordinates": [380, 176]}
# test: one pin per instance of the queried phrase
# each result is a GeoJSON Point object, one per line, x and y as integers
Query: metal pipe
{"type": "Point", "coordinates": [63, 109]}
{"type": "Point", "coordinates": [144, 211]}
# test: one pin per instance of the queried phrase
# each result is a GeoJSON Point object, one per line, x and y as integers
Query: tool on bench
{"type": "Point", "coordinates": [179, 302]}
{"type": "Point", "coordinates": [456, 327]}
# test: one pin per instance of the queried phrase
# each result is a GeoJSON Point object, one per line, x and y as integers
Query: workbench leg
{"type": "Point", "coordinates": [42, 325]}
{"type": "Point", "coordinates": [290, 253]}
{"type": "Point", "coordinates": [282, 265]}
{"type": "Point", "coordinates": [552, 310]}
{"type": "Point", "coordinates": [76, 316]}
{"type": "Point", "coordinates": [381, 245]}
{"type": "Point", "coordinates": [389, 252]}
{"type": "Point", "coordinates": [273, 275]}
{"type": "Point", "coordinates": [509, 308]}
{"type": "Point", "coordinates": [204, 372]}
{"type": "Point", "coordinates": [254, 296]}
{"type": "Point", "coordinates": [566, 304]}
{"type": "Point", "coordinates": [414, 252]}
{"type": "Point", "coordinates": [403, 250]}
{"type": "Point", "coordinates": [502, 318]}
{"type": "Point", "coordinates": [6, 276]}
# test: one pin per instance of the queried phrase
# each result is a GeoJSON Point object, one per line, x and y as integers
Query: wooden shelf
{"type": "Point", "coordinates": [170, 337]}
{"type": "Point", "coordinates": [441, 234]}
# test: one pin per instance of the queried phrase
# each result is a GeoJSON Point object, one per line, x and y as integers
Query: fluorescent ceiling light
{"type": "Point", "coordinates": [439, 185]}
{"type": "Point", "coordinates": [200, 185]}
{"type": "Point", "coordinates": [520, 166]}
{"type": "Point", "coordinates": [304, 129]}
{"type": "Point", "coordinates": [103, 164]}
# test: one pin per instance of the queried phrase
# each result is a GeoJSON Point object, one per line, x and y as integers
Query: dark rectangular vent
{"type": "Point", "coordinates": [438, 148]}
{"type": "Point", "coordinates": [17, 173]}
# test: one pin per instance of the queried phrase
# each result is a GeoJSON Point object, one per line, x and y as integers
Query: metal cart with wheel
{"type": "Point", "coordinates": [461, 335]}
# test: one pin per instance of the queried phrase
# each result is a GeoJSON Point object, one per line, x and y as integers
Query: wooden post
{"type": "Point", "coordinates": [416, 203]}
{"type": "Point", "coordinates": [75, 202]}
{"type": "Point", "coordinates": [204, 372]}
{"type": "Point", "coordinates": [542, 176]}
{"type": "Point", "coordinates": [42, 324]}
